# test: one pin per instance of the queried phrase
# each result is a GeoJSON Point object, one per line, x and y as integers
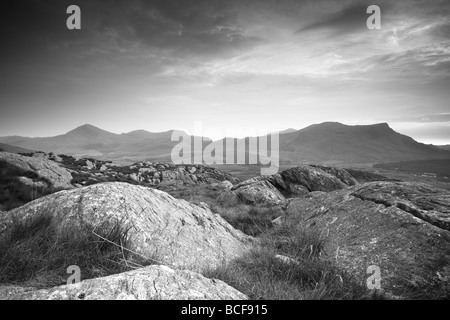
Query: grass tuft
{"type": "Point", "coordinates": [37, 252]}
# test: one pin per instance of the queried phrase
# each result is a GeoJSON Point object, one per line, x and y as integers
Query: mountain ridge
{"type": "Point", "coordinates": [327, 142]}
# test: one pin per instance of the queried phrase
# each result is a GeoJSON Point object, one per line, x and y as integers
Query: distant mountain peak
{"type": "Point", "coordinates": [85, 127]}
{"type": "Point", "coordinates": [288, 130]}
{"type": "Point", "coordinates": [88, 130]}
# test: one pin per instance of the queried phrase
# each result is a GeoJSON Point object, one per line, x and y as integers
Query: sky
{"type": "Point", "coordinates": [233, 65]}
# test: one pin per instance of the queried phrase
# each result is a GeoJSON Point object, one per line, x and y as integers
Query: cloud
{"type": "Point", "coordinates": [344, 21]}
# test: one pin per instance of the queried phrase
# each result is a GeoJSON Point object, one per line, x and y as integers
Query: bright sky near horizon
{"type": "Point", "coordinates": [244, 64]}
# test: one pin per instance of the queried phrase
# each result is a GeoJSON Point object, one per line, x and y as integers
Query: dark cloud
{"type": "Point", "coordinates": [348, 19]}
{"type": "Point", "coordinates": [200, 27]}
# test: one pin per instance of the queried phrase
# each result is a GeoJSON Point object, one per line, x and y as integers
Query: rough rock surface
{"type": "Point", "coordinates": [51, 171]}
{"type": "Point", "coordinates": [273, 190]}
{"type": "Point", "coordinates": [421, 200]}
{"type": "Point", "coordinates": [88, 171]}
{"type": "Point", "coordinates": [309, 178]}
{"type": "Point", "coordinates": [260, 192]}
{"type": "Point", "coordinates": [341, 174]}
{"type": "Point", "coordinates": [149, 283]}
{"type": "Point", "coordinates": [363, 176]}
{"type": "Point", "coordinates": [377, 224]}
{"type": "Point", "coordinates": [179, 233]}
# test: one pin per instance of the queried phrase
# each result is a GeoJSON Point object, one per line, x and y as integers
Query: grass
{"type": "Point", "coordinates": [251, 220]}
{"type": "Point", "coordinates": [13, 193]}
{"type": "Point", "coordinates": [290, 261]}
{"type": "Point", "coordinates": [37, 252]}
{"type": "Point", "coordinates": [262, 275]}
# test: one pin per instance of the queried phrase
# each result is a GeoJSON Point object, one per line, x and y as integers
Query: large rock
{"type": "Point", "coordinates": [179, 233]}
{"type": "Point", "coordinates": [421, 200]}
{"type": "Point", "coordinates": [258, 192]}
{"type": "Point", "coordinates": [303, 179]}
{"type": "Point", "coordinates": [42, 166]}
{"type": "Point", "coordinates": [341, 174]}
{"type": "Point", "coordinates": [273, 190]}
{"type": "Point", "coordinates": [149, 283]}
{"type": "Point", "coordinates": [399, 227]}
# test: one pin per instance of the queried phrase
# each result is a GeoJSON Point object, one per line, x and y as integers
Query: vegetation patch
{"type": "Point", "coordinates": [14, 193]}
{"type": "Point", "coordinates": [37, 252]}
{"type": "Point", "coordinates": [301, 273]}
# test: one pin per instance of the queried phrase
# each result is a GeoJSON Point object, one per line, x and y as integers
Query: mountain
{"type": "Point", "coordinates": [333, 142]}
{"type": "Point", "coordinates": [287, 131]}
{"type": "Point", "coordinates": [326, 143]}
{"type": "Point", "coordinates": [446, 147]}
{"type": "Point", "coordinates": [13, 149]}
{"type": "Point", "coordinates": [88, 140]}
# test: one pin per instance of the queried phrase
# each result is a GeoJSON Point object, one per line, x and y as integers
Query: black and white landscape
{"type": "Point", "coordinates": [346, 102]}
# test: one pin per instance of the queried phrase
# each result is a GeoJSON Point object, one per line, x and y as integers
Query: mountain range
{"type": "Point", "coordinates": [326, 143]}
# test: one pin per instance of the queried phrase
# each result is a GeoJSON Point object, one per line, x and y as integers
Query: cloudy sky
{"type": "Point", "coordinates": [266, 64]}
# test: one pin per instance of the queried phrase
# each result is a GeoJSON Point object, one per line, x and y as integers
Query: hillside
{"type": "Point", "coordinates": [13, 149]}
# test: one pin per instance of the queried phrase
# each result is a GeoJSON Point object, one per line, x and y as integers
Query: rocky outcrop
{"type": "Point", "coordinates": [303, 179]}
{"type": "Point", "coordinates": [400, 227]}
{"type": "Point", "coordinates": [421, 200]}
{"type": "Point", "coordinates": [259, 192]}
{"type": "Point", "coordinates": [39, 163]}
{"type": "Point", "coordinates": [149, 283]}
{"type": "Point", "coordinates": [273, 190]}
{"type": "Point", "coordinates": [363, 176]}
{"type": "Point", "coordinates": [88, 171]}
{"type": "Point", "coordinates": [341, 174]}
{"type": "Point", "coordinates": [178, 233]}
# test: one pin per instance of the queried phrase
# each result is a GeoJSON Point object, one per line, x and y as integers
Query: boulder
{"type": "Point", "coordinates": [303, 179]}
{"type": "Point", "coordinates": [90, 165]}
{"type": "Point", "coordinates": [421, 200]}
{"type": "Point", "coordinates": [51, 171]}
{"type": "Point", "coordinates": [225, 185]}
{"type": "Point", "coordinates": [273, 190]}
{"type": "Point", "coordinates": [341, 174]}
{"type": "Point", "coordinates": [33, 184]}
{"type": "Point", "coordinates": [399, 227]}
{"type": "Point", "coordinates": [149, 283]}
{"type": "Point", "coordinates": [179, 233]}
{"type": "Point", "coordinates": [257, 192]}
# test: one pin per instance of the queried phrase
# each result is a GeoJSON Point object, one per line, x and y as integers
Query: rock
{"type": "Point", "coordinates": [399, 227]}
{"type": "Point", "coordinates": [135, 177]}
{"type": "Point", "coordinates": [278, 221]}
{"type": "Point", "coordinates": [90, 165]}
{"type": "Point", "coordinates": [225, 185]}
{"type": "Point", "coordinates": [286, 260]}
{"type": "Point", "coordinates": [33, 184]}
{"type": "Point", "coordinates": [56, 158]}
{"type": "Point", "coordinates": [341, 174]}
{"type": "Point", "coordinates": [423, 201]}
{"type": "Point", "coordinates": [179, 233]}
{"type": "Point", "coordinates": [103, 168]}
{"type": "Point", "coordinates": [149, 283]}
{"type": "Point", "coordinates": [303, 179]}
{"type": "Point", "coordinates": [192, 169]}
{"type": "Point", "coordinates": [259, 192]}
{"type": "Point", "coordinates": [367, 176]}
{"type": "Point", "coordinates": [44, 168]}
{"type": "Point", "coordinates": [273, 190]}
